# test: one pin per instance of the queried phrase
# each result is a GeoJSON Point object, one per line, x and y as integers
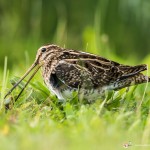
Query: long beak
{"type": "Point", "coordinates": [28, 71]}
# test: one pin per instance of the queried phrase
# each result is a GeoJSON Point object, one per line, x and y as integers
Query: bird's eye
{"type": "Point", "coordinates": [43, 50]}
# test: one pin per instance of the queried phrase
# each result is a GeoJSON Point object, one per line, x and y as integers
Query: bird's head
{"type": "Point", "coordinates": [46, 52]}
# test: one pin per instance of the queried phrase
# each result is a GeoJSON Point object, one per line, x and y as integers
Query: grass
{"type": "Point", "coordinates": [38, 121]}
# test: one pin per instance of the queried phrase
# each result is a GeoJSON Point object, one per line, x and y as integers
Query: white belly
{"type": "Point", "coordinates": [88, 95]}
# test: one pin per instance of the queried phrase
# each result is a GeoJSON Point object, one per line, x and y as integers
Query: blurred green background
{"type": "Point", "coordinates": [105, 27]}
{"type": "Point", "coordinates": [116, 29]}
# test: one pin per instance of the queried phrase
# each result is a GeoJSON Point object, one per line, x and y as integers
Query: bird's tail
{"type": "Point", "coordinates": [132, 76]}
{"type": "Point", "coordinates": [140, 78]}
{"type": "Point", "coordinates": [131, 80]}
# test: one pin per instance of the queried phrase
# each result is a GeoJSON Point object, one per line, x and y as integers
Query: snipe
{"type": "Point", "coordinates": [65, 71]}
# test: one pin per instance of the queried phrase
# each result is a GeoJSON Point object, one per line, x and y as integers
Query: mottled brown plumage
{"type": "Point", "coordinates": [67, 70]}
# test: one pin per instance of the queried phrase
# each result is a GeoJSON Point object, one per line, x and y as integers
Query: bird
{"type": "Point", "coordinates": [66, 71]}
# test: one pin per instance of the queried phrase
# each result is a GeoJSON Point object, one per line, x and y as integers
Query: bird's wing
{"type": "Point", "coordinates": [74, 56]}
{"type": "Point", "coordinates": [78, 67]}
{"type": "Point", "coordinates": [74, 76]}
{"type": "Point", "coordinates": [85, 73]}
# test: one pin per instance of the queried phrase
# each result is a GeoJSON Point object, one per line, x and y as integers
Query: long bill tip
{"type": "Point", "coordinates": [23, 77]}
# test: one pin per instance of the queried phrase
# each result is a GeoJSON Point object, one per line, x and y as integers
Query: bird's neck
{"type": "Point", "coordinates": [49, 66]}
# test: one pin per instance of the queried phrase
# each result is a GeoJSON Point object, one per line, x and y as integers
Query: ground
{"type": "Point", "coordinates": [38, 121]}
